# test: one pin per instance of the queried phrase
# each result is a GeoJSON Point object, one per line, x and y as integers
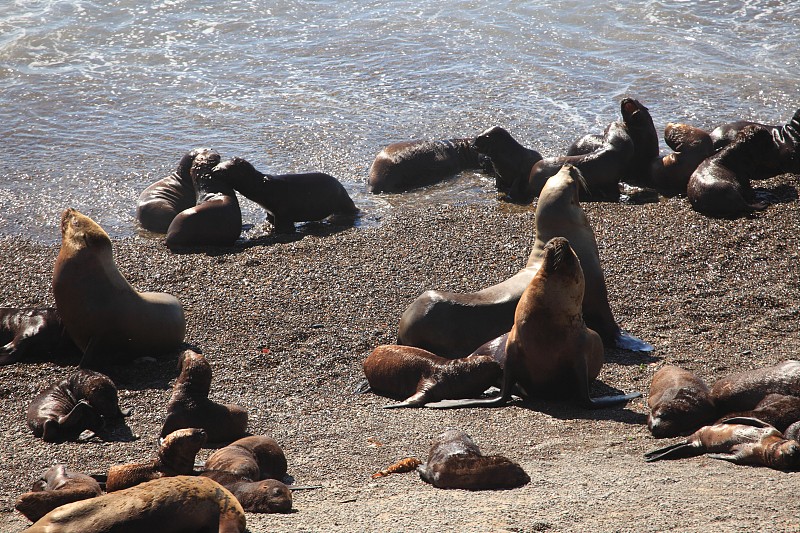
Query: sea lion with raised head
{"type": "Point", "coordinates": [58, 486]}
{"type": "Point", "coordinates": [691, 146]}
{"type": "Point", "coordinates": [786, 139]}
{"type": "Point", "coordinates": [511, 161]}
{"type": "Point", "coordinates": [32, 331]}
{"type": "Point", "coordinates": [679, 402]}
{"type": "Point", "coordinates": [743, 391]}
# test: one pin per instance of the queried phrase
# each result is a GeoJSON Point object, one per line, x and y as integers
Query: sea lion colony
{"type": "Point", "coordinates": [751, 411]}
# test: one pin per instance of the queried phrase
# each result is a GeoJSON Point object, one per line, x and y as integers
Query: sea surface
{"type": "Point", "coordinates": [98, 99]}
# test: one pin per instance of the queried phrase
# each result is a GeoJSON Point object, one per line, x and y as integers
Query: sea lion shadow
{"type": "Point", "coordinates": [629, 358]}
{"type": "Point", "coordinates": [569, 410]}
{"type": "Point", "coordinates": [149, 372]}
{"type": "Point", "coordinates": [780, 194]}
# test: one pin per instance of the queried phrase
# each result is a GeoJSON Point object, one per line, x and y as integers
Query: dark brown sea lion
{"type": "Point", "coordinates": [58, 486]}
{"type": "Point", "coordinates": [511, 161]}
{"type": "Point", "coordinates": [175, 458]}
{"type": "Point", "coordinates": [421, 377]}
{"type": "Point", "coordinates": [455, 462]}
{"type": "Point", "coordinates": [85, 400]}
{"type": "Point", "coordinates": [720, 186]}
{"type": "Point", "coordinates": [642, 131]}
{"type": "Point", "coordinates": [743, 391]}
{"type": "Point", "coordinates": [679, 402]}
{"type": "Point", "coordinates": [166, 505]}
{"type": "Point", "coordinates": [288, 198]}
{"type": "Point", "coordinates": [107, 318]}
{"type": "Point", "coordinates": [256, 457]}
{"type": "Point", "coordinates": [163, 200]}
{"type": "Point", "coordinates": [405, 165]}
{"type": "Point", "coordinates": [777, 410]}
{"type": "Point", "coordinates": [739, 440]}
{"type": "Point", "coordinates": [32, 331]}
{"type": "Point", "coordinates": [189, 406]}
{"type": "Point", "coordinates": [690, 145]}
{"type": "Point", "coordinates": [215, 219]}
{"type": "Point", "coordinates": [265, 496]}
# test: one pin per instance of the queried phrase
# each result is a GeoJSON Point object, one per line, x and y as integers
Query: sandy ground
{"type": "Point", "coordinates": [287, 321]}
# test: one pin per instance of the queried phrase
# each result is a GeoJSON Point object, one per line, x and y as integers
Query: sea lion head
{"type": "Point", "coordinates": [236, 172]}
{"type": "Point", "coordinates": [560, 198]}
{"type": "Point", "coordinates": [491, 139]}
{"type": "Point", "coordinates": [79, 231]}
{"type": "Point", "coordinates": [268, 496]}
{"type": "Point", "coordinates": [195, 376]}
{"type": "Point", "coordinates": [787, 455]}
{"type": "Point", "coordinates": [180, 447]}
{"type": "Point", "coordinates": [99, 391]}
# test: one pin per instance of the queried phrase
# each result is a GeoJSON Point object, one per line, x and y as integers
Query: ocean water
{"type": "Point", "coordinates": [100, 99]}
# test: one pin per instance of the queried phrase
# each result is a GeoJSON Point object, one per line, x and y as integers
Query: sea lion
{"type": "Point", "coordinates": [32, 330]}
{"type": "Point", "coordinates": [166, 505]}
{"type": "Point", "coordinates": [679, 402]}
{"type": "Point", "coordinates": [720, 186]}
{"type": "Point", "coordinates": [744, 441]}
{"type": "Point", "coordinates": [85, 400]}
{"type": "Point", "coordinates": [421, 377]}
{"type": "Point", "coordinates": [256, 457]}
{"type": "Point", "coordinates": [690, 145]}
{"type": "Point", "coordinates": [405, 165]}
{"type": "Point", "coordinates": [190, 407]}
{"type": "Point", "coordinates": [793, 432]}
{"type": "Point", "coordinates": [455, 462]}
{"type": "Point", "coordinates": [288, 198]}
{"type": "Point", "coordinates": [161, 202]}
{"type": "Point", "coordinates": [777, 410]}
{"type": "Point", "coordinates": [175, 457]}
{"type": "Point", "coordinates": [107, 318]}
{"type": "Point", "coordinates": [642, 131]}
{"type": "Point", "coordinates": [215, 219]}
{"type": "Point", "coordinates": [265, 496]}
{"type": "Point", "coordinates": [744, 390]}
{"type": "Point", "coordinates": [511, 161]}
{"type": "Point", "coordinates": [58, 486]}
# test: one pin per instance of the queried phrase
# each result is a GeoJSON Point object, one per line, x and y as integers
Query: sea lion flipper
{"type": "Point", "coordinates": [675, 451]}
{"type": "Point", "coordinates": [746, 421]}
{"type": "Point", "coordinates": [730, 457]}
{"type": "Point", "coordinates": [362, 387]}
{"type": "Point", "coordinates": [626, 341]}
{"type": "Point", "coordinates": [607, 401]}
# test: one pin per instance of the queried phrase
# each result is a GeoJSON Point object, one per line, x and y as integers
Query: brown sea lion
{"type": "Point", "coordinates": [166, 505]}
{"type": "Point", "coordinates": [256, 457]}
{"type": "Point", "coordinates": [777, 410]}
{"type": "Point", "coordinates": [190, 407]}
{"type": "Point", "coordinates": [32, 331]}
{"type": "Point", "coordinates": [265, 496]}
{"type": "Point", "coordinates": [215, 219]}
{"type": "Point", "coordinates": [679, 402]}
{"type": "Point", "coordinates": [405, 165]}
{"type": "Point", "coordinates": [720, 186]}
{"type": "Point", "coordinates": [85, 400]}
{"type": "Point", "coordinates": [455, 462]}
{"type": "Point", "coordinates": [786, 139]}
{"type": "Point", "coordinates": [421, 377]}
{"type": "Point", "coordinates": [744, 441]}
{"type": "Point", "coordinates": [58, 486]}
{"type": "Point", "coordinates": [511, 161]}
{"type": "Point", "coordinates": [175, 457]}
{"type": "Point", "coordinates": [642, 131]}
{"type": "Point", "coordinates": [743, 391]}
{"type": "Point", "coordinates": [690, 145]}
{"type": "Point", "coordinates": [106, 317]}
{"type": "Point", "coordinates": [288, 198]}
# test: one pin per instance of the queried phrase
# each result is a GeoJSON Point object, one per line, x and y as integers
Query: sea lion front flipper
{"type": "Point", "coordinates": [746, 421]}
{"type": "Point", "coordinates": [83, 414]}
{"type": "Point", "coordinates": [681, 450]}
{"type": "Point", "coordinates": [362, 387]}
{"type": "Point", "coordinates": [607, 401]}
{"type": "Point", "coordinates": [730, 457]}
{"type": "Point", "coordinates": [626, 341]}
{"type": "Point", "coordinates": [581, 378]}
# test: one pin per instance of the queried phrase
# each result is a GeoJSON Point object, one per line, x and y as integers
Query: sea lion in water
{"type": "Point", "coordinates": [421, 377]}
{"type": "Point", "coordinates": [777, 410]}
{"type": "Point", "coordinates": [32, 330]}
{"type": "Point", "coordinates": [215, 219]}
{"type": "Point", "coordinates": [85, 400]}
{"type": "Point", "coordinates": [166, 505]}
{"type": "Point", "coordinates": [691, 146]}
{"type": "Point", "coordinates": [405, 165]}
{"type": "Point", "coordinates": [455, 462]}
{"type": "Point", "coordinates": [58, 486]}
{"type": "Point", "coordinates": [744, 390]}
{"type": "Point", "coordinates": [103, 314]}
{"type": "Point", "coordinates": [189, 406]}
{"type": "Point", "coordinates": [265, 496]}
{"type": "Point", "coordinates": [175, 458]}
{"type": "Point", "coordinates": [679, 402]}
{"type": "Point", "coordinates": [255, 457]}
{"type": "Point", "coordinates": [288, 198]}
{"type": "Point", "coordinates": [511, 161]}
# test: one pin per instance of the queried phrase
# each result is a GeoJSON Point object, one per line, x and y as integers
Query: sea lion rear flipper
{"type": "Point", "coordinates": [581, 378]}
{"type": "Point", "coordinates": [88, 355]}
{"type": "Point", "coordinates": [676, 451]}
{"type": "Point", "coordinates": [730, 457]}
{"type": "Point", "coordinates": [607, 401]}
{"type": "Point", "coordinates": [626, 341]}
{"type": "Point", "coordinates": [746, 421]}
{"type": "Point", "coordinates": [498, 401]}
{"type": "Point", "coordinates": [362, 387]}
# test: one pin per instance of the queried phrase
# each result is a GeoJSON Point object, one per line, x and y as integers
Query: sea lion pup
{"type": "Point", "coordinates": [511, 161]}
{"type": "Point", "coordinates": [744, 390]}
{"type": "Point", "coordinates": [256, 457]}
{"type": "Point", "coordinates": [161, 202]}
{"type": "Point", "coordinates": [104, 315]}
{"type": "Point", "coordinates": [216, 219]}
{"type": "Point", "coordinates": [744, 441]}
{"type": "Point", "coordinates": [679, 402]}
{"type": "Point", "coordinates": [265, 496]}
{"type": "Point", "coordinates": [167, 505]}
{"type": "Point", "coordinates": [720, 186]}
{"type": "Point", "coordinates": [190, 407]}
{"type": "Point", "coordinates": [777, 410]}
{"type": "Point", "coordinates": [32, 330]}
{"type": "Point", "coordinates": [175, 458]}
{"type": "Point", "coordinates": [85, 400]}
{"type": "Point", "coordinates": [58, 486]}
{"type": "Point", "coordinates": [405, 165]}
{"type": "Point", "coordinates": [288, 198]}
{"type": "Point", "coordinates": [690, 145]}
{"type": "Point", "coordinates": [455, 462]}
{"type": "Point", "coordinates": [421, 377]}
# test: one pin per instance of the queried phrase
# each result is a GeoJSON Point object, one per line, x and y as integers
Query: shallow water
{"type": "Point", "coordinates": [100, 99]}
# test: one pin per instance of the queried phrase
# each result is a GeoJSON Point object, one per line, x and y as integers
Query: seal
{"type": "Point", "coordinates": [265, 496]}
{"type": "Point", "coordinates": [58, 486]}
{"type": "Point", "coordinates": [511, 161]}
{"type": "Point", "coordinates": [720, 186]}
{"type": "Point", "coordinates": [288, 198]}
{"type": "Point", "coordinates": [175, 458]}
{"type": "Point", "coordinates": [406, 165]}
{"type": "Point", "coordinates": [189, 406]}
{"type": "Point", "coordinates": [255, 457]}
{"type": "Point", "coordinates": [85, 400]}
{"type": "Point", "coordinates": [162, 201]}
{"type": "Point", "coordinates": [743, 391]}
{"type": "Point", "coordinates": [739, 440]}
{"type": "Point", "coordinates": [679, 402]}
{"type": "Point", "coordinates": [107, 318]}
{"type": "Point", "coordinates": [690, 145]}
{"type": "Point", "coordinates": [455, 462]}
{"type": "Point", "coordinates": [215, 219]}
{"type": "Point", "coordinates": [421, 377]}
{"type": "Point", "coordinates": [777, 410]}
{"type": "Point", "coordinates": [32, 331]}
{"type": "Point", "coordinates": [166, 505]}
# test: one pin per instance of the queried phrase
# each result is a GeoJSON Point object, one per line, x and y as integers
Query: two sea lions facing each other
{"type": "Point", "coordinates": [58, 486]}
{"type": "Point", "coordinates": [32, 331]}
{"type": "Point", "coordinates": [161, 202]}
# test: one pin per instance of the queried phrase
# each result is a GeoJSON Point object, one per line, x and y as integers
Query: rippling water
{"type": "Point", "coordinates": [100, 99]}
